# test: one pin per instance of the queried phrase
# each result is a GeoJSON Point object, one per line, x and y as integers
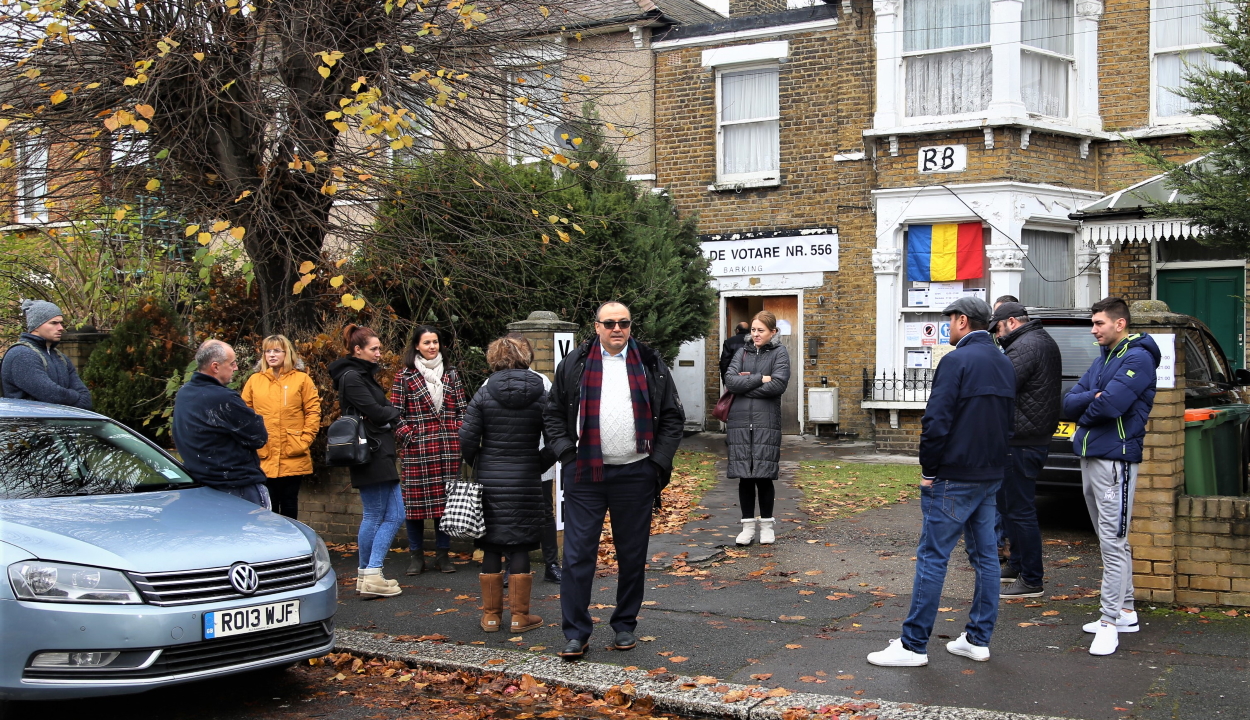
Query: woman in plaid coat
{"type": "Point", "coordinates": [431, 399]}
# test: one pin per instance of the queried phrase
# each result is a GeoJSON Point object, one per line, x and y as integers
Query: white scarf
{"type": "Point", "coordinates": [432, 371]}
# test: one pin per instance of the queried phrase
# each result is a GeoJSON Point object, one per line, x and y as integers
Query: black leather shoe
{"type": "Point", "coordinates": [625, 640]}
{"type": "Point", "coordinates": [553, 574]}
{"type": "Point", "coordinates": [575, 650]}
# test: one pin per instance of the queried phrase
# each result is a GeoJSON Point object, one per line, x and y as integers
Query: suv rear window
{"type": "Point", "coordinates": [1076, 345]}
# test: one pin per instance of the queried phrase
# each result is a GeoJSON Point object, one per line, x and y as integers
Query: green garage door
{"type": "Point", "coordinates": [1214, 296]}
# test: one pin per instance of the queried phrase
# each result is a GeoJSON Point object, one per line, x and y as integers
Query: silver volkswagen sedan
{"type": "Point", "coordinates": [121, 574]}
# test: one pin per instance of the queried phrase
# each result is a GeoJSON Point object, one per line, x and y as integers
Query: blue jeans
{"type": "Point", "coordinates": [416, 536]}
{"type": "Point", "coordinates": [383, 514]}
{"type": "Point", "coordinates": [1017, 506]}
{"type": "Point", "coordinates": [951, 509]}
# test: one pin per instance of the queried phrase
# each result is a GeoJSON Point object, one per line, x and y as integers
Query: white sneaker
{"type": "Point", "coordinates": [1126, 623]}
{"type": "Point", "coordinates": [767, 536]}
{"type": "Point", "coordinates": [961, 646]}
{"type": "Point", "coordinates": [895, 655]}
{"type": "Point", "coordinates": [748, 532]}
{"type": "Point", "coordinates": [1106, 640]}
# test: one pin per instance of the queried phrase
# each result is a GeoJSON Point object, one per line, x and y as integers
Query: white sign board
{"type": "Point", "coordinates": [766, 256]}
{"type": "Point", "coordinates": [942, 294]}
{"type": "Point", "coordinates": [942, 159]}
{"type": "Point", "coordinates": [784, 327]}
{"type": "Point", "coordinates": [929, 334]}
{"type": "Point", "coordinates": [1165, 375]}
{"type": "Point", "coordinates": [564, 343]}
{"type": "Point", "coordinates": [917, 297]}
{"type": "Point", "coordinates": [911, 334]}
{"type": "Point", "coordinates": [919, 359]}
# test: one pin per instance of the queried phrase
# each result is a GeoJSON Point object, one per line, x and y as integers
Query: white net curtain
{"type": "Point", "coordinates": [1048, 271]}
{"type": "Point", "coordinates": [1180, 31]}
{"type": "Point", "coordinates": [947, 83]}
{"type": "Point", "coordinates": [749, 116]}
{"type": "Point", "coordinates": [1046, 65]}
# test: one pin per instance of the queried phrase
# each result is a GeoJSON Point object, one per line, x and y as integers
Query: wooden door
{"type": "Point", "coordinates": [786, 308]}
{"type": "Point", "coordinates": [1214, 296]}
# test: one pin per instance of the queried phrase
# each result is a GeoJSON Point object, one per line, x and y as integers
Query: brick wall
{"type": "Point", "coordinates": [1212, 544]}
{"type": "Point", "coordinates": [742, 8]}
{"type": "Point", "coordinates": [902, 440]}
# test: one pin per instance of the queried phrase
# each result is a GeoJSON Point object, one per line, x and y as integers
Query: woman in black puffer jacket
{"type": "Point", "coordinates": [499, 438]}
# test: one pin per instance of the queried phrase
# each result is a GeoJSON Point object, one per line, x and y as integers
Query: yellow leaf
{"type": "Point", "coordinates": [32, 73]}
{"type": "Point", "coordinates": [340, 126]}
{"type": "Point", "coordinates": [242, 195]}
{"type": "Point", "coordinates": [146, 111]}
{"type": "Point", "coordinates": [221, 225]}
{"type": "Point", "coordinates": [59, 97]}
{"type": "Point", "coordinates": [198, 56]}
{"type": "Point", "coordinates": [130, 81]}
{"type": "Point", "coordinates": [153, 184]}
{"type": "Point", "coordinates": [347, 299]}
{"type": "Point", "coordinates": [306, 267]}
{"type": "Point", "coordinates": [120, 215]}
{"type": "Point", "coordinates": [330, 188]}
{"type": "Point", "coordinates": [397, 144]}
{"type": "Point", "coordinates": [336, 281]}
{"type": "Point", "coordinates": [577, 141]}
{"type": "Point", "coordinates": [563, 235]}
{"type": "Point", "coordinates": [141, 125]}
{"type": "Point", "coordinates": [192, 229]}
{"type": "Point", "coordinates": [545, 12]}
{"type": "Point", "coordinates": [93, 86]}
{"type": "Point", "coordinates": [204, 238]}
{"type": "Point", "coordinates": [333, 115]}
{"type": "Point", "coordinates": [594, 164]}
{"type": "Point", "coordinates": [447, 281]}
{"type": "Point", "coordinates": [553, 218]}
{"type": "Point", "coordinates": [237, 233]}
{"type": "Point", "coordinates": [358, 304]}
{"type": "Point", "coordinates": [323, 71]}
{"type": "Point", "coordinates": [297, 289]}
{"type": "Point", "coordinates": [546, 238]}
{"type": "Point", "coordinates": [584, 78]}
{"type": "Point", "coordinates": [408, 48]}
{"type": "Point", "coordinates": [340, 263]}
{"type": "Point", "coordinates": [578, 228]}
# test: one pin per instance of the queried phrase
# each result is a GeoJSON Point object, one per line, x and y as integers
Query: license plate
{"type": "Point", "coordinates": [222, 623]}
{"type": "Point", "coordinates": [1066, 430]}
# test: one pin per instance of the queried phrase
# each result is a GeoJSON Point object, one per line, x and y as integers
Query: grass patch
{"type": "Point", "coordinates": [833, 489]}
{"type": "Point", "coordinates": [697, 472]}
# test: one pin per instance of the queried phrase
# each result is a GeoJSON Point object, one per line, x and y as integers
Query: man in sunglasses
{"type": "Point", "coordinates": [614, 419]}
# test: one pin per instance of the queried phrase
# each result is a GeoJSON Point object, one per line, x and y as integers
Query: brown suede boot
{"type": "Point", "coordinates": [519, 603]}
{"type": "Point", "coordinates": [492, 601]}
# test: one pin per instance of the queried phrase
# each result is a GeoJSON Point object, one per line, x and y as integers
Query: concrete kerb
{"type": "Point", "coordinates": [680, 694]}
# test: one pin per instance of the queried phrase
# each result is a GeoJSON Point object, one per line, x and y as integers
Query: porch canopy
{"type": "Point", "coordinates": [1121, 216]}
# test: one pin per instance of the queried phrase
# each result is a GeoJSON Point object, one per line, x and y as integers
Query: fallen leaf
{"type": "Point", "coordinates": [778, 692]}
{"type": "Point", "coordinates": [518, 638]}
{"type": "Point", "coordinates": [496, 661]}
{"type": "Point", "coordinates": [761, 676]}
{"type": "Point", "coordinates": [848, 676]}
{"type": "Point", "coordinates": [678, 659]}
{"type": "Point", "coordinates": [807, 592]}
{"type": "Point", "coordinates": [734, 696]}
{"type": "Point", "coordinates": [814, 572]}
{"type": "Point", "coordinates": [647, 638]}
{"type": "Point", "coordinates": [1050, 613]}
{"type": "Point", "coordinates": [1026, 624]}
{"type": "Point", "coordinates": [791, 617]}
{"type": "Point", "coordinates": [538, 648]}
{"type": "Point", "coordinates": [705, 680]}
{"type": "Point", "coordinates": [648, 602]}
{"type": "Point", "coordinates": [946, 609]}
{"type": "Point", "coordinates": [969, 672]}
{"type": "Point", "coordinates": [793, 646]}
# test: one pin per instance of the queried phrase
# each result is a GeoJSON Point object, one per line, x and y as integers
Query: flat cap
{"type": "Point", "coordinates": [1007, 310]}
{"type": "Point", "coordinates": [975, 308]}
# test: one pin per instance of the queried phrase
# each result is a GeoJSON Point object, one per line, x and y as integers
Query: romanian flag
{"type": "Point", "coordinates": [942, 253]}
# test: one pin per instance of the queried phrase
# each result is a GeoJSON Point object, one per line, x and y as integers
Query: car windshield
{"type": "Point", "coordinates": [1077, 347]}
{"type": "Point", "coordinates": [42, 458]}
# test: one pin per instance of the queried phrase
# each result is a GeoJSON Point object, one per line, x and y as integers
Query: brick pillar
{"type": "Point", "coordinates": [1160, 479]}
{"type": "Point", "coordinates": [540, 328]}
{"type": "Point", "coordinates": [78, 344]}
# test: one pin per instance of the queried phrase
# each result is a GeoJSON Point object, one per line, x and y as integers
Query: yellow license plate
{"type": "Point", "coordinates": [1066, 430]}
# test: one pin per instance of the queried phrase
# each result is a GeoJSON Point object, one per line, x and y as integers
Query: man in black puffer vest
{"type": "Point", "coordinates": [1038, 365]}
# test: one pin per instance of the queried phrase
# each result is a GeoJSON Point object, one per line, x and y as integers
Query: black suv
{"type": "Point", "coordinates": [1209, 381]}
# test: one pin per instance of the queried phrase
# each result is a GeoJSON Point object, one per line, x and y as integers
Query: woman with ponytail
{"type": "Point", "coordinates": [378, 481]}
{"type": "Point", "coordinates": [431, 400]}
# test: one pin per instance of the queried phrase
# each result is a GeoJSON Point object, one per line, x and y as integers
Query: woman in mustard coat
{"type": "Point", "coordinates": [285, 396]}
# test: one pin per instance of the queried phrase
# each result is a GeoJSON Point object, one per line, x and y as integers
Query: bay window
{"type": "Point", "coordinates": [748, 118]}
{"type": "Point", "coordinates": [1180, 44]}
{"type": "Point", "coordinates": [1047, 59]}
{"type": "Point", "coordinates": [947, 56]}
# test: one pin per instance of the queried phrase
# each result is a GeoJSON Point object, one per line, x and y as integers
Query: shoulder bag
{"type": "Point", "coordinates": [347, 443]}
{"type": "Point", "coordinates": [462, 513]}
{"type": "Point", "coordinates": [726, 401]}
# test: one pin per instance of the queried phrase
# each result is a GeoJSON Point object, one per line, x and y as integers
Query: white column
{"type": "Point", "coordinates": [885, 263]}
{"type": "Point", "coordinates": [1006, 267]}
{"type": "Point", "coordinates": [888, 38]}
{"type": "Point", "coordinates": [1085, 51]}
{"type": "Point", "coordinates": [1005, 44]}
{"type": "Point", "coordinates": [1104, 268]}
{"type": "Point", "coordinates": [1088, 285]}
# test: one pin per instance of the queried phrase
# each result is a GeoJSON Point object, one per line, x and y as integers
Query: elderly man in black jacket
{"type": "Point", "coordinates": [1038, 364]}
{"type": "Point", "coordinates": [732, 345]}
{"type": "Point", "coordinates": [614, 420]}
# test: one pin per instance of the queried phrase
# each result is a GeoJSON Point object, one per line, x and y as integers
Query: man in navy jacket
{"type": "Point", "coordinates": [1112, 403]}
{"type": "Point", "coordinates": [968, 421]}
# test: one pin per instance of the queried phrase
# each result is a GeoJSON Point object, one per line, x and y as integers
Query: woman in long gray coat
{"type": "Point", "coordinates": [757, 377]}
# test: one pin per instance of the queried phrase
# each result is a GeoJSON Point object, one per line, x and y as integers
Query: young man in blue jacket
{"type": "Point", "coordinates": [1112, 403]}
{"type": "Point", "coordinates": [968, 421]}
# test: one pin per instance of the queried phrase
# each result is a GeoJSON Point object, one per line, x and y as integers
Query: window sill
{"type": "Point", "coordinates": [747, 184]}
{"type": "Point", "coordinates": [893, 405]}
{"type": "Point", "coordinates": [980, 123]}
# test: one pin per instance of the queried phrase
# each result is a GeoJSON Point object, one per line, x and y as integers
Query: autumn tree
{"type": "Point", "coordinates": [274, 127]}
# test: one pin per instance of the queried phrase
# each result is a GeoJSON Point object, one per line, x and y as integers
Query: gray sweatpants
{"type": "Point", "coordinates": [1109, 486]}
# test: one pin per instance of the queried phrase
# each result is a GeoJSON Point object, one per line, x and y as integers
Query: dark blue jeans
{"type": "Point", "coordinates": [628, 494]}
{"type": "Point", "coordinates": [952, 509]}
{"type": "Point", "coordinates": [416, 536]}
{"type": "Point", "coordinates": [1018, 507]}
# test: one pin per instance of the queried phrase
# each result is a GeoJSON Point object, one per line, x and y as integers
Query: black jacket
{"type": "Point", "coordinates": [968, 420]}
{"type": "Point", "coordinates": [1039, 379]}
{"type": "Point", "coordinates": [360, 394]}
{"type": "Point", "coordinates": [667, 415]}
{"type": "Point", "coordinates": [732, 347]}
{"type": "Point", "coordinates": [217, 434]}
{"type": "Point", "coordinates": [499, 438]}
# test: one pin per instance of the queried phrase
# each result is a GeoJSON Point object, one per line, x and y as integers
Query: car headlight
{"type": "Point", "coordinates": [62, 582]}
{"type": "Point", "coordinates": [321, 558]}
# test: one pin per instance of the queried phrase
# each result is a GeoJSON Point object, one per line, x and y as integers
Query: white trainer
{"type": "Point", "coordinates": [1106, 640]}
{"type": "Point", "coordinates": [1126, 623]}
{"type": "Point", "coordinates": [961, 646]}
{"type": "Point", "coordinates": [767, 536]}
{"type": "Point", "coordinates": [748, 532]}
{"type": "Point", "coordinates": [895, 655]}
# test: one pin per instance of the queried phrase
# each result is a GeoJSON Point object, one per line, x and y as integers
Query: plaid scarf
{"type": "Point", "coordinates": [589, 451]}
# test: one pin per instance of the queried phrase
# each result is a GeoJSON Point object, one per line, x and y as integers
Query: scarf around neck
{"type": "Point", "coordinates": [432, 371]}
{"type": "Point", "coordinates": [589, 448]}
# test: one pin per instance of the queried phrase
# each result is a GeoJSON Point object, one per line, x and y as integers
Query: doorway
{"type": "Point", "coordinates": [1216, 297]}
{"type": "Point", "coordinates": [786, 308]}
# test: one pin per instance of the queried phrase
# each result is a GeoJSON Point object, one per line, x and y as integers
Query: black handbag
{"type": "Point", "coordinates": [347, 443]}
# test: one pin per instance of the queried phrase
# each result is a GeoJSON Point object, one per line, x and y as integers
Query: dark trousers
{"type": "Point", "coordinates": [284, 494]}
{"type": "Point", "coordinates": [551, 548]}
{"type": "Point", "coordinates": [746, 496]}
{"type": "Point", "coordinates": [1017, 505]}
{"type": "Point", "coordinates": [628, 493]}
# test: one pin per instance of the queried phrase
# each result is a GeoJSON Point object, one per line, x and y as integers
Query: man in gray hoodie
{"type": "Point", "coordinates": [34, 369]}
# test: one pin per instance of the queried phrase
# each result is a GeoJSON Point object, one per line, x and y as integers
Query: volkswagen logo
{"type": "Point", "coordinates": [244, 578]}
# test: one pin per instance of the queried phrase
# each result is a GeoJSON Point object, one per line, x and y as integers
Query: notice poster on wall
{"type": "Point", "coordinates": [978, 293]}
{"type": "Point", "coordinates": [918, 297]}
{"type": "Point", "coordinates": [929, 334]}
{"type": "Point", "coordinates": [918, 360]}
{"type": "Point", "coordinates": [1165, 375]}
{"type": "Point", "coordinates": [942, 294]}
{"type": "Point", "coordinates": [939, 352]}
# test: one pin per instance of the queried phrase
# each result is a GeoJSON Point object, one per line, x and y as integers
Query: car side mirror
{"type": "Point", "coordinates": [1241, 376]}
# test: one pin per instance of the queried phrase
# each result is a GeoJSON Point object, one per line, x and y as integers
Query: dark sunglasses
{"type": "Point", "coordinates": [611, 324]}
